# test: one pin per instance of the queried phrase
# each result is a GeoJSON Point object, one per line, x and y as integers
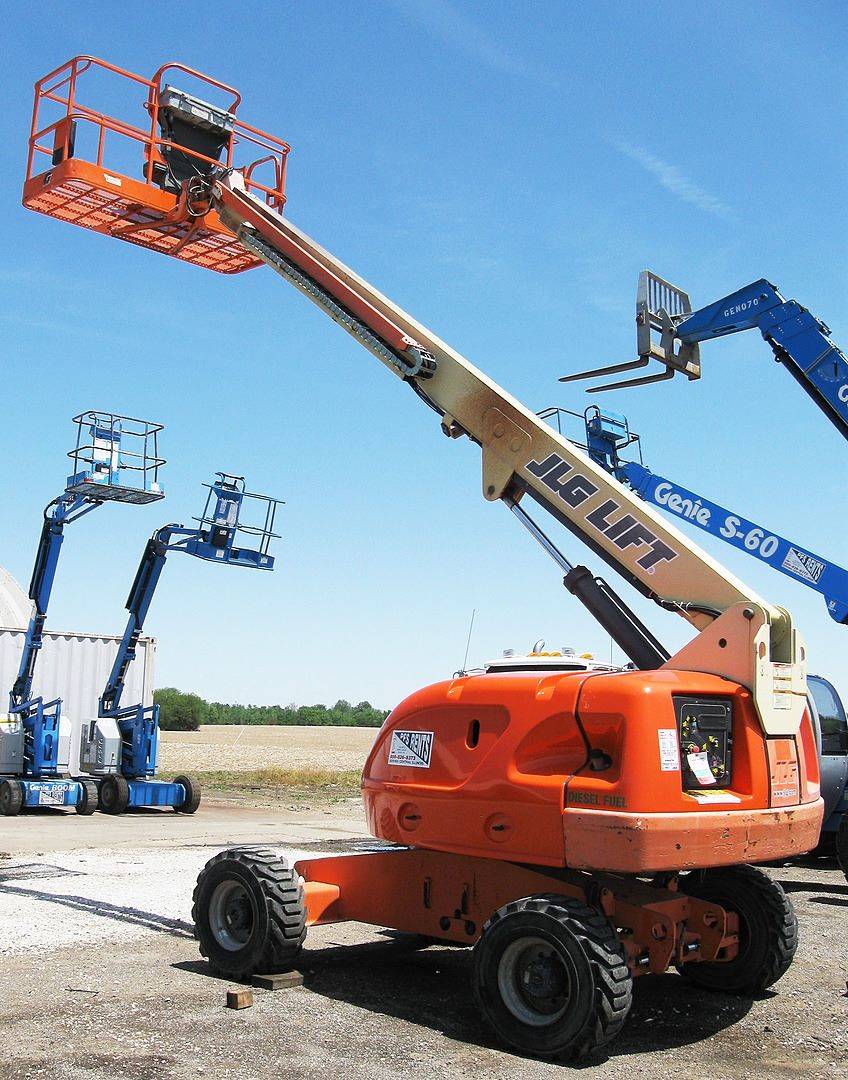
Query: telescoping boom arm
{"type": "Point", "coordinates": [742, 636]}
{"type": "Point", "coordinates": [668, 330]}
{"type": "Point", "coordinates": [608, 433]}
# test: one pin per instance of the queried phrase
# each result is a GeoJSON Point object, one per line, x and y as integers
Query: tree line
{"type": "Point", "coordinates": [179, 711]}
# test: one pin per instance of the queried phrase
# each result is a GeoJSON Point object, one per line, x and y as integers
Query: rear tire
{"type": "Point", "coordinates": [11, 798]}
{"type": "Point", "coordinates": [551, 977]}
{"type": "Point", "coordinates": [768, 929]}
{"type": "Point", "coordinates": [114, 794]}
{"type": "Point", "coordinates": [192, 799]}
{"type": "Point", "coordinates": [89, 798]}
{"type": "Point", "coordinates": [249, 913]}
{"type": "Point", "coordinates": [842, 844]}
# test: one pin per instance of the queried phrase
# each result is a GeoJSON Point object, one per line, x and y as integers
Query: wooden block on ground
{"type": "Point", "coordinates": [239, 999]}
{"type": "Point", "coordinates": [283, 981]}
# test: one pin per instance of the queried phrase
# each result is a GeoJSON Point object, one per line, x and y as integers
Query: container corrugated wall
{"type": "Point", "coordinates": [75, 667]}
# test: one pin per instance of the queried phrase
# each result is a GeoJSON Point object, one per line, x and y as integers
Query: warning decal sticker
{"type": "Point", "coordinates": [53, 794]}
{"type": "Point", "coordinates": [803, 565]}
{"type": "Point", "coordinates": [411, 748]}
{"type": "Point", "coordinates": [719, 795]}
{"type": "Point", "coordinates": [669, 750]}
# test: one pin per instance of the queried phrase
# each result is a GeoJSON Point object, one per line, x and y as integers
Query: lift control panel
{"type": "Point", "coordinates": [705, 730]}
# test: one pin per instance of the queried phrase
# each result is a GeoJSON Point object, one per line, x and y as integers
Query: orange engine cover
{"type": "Point", "coordinates": [499, 765]}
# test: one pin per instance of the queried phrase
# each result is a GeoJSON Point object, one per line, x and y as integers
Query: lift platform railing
{"type": "Point", "coordinates": [222, 524]}
{"type": "Point", "coordinates": [78, 171]}
{"type": "Point", "coordinates": [115, 458]}
{"type": "Point", "coordinates": [601, 433]}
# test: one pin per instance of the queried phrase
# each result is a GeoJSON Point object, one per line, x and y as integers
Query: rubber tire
{"type": "Point", "coordinates": [598, 962]}
{"type": "Point", "coordinates": [11, 798]}
{"type": "Point", "coordinates": [768, 929]}
{"type": "Point", "coordinates": [279, 912]}
{"type": "Point", "coordinates": [825, 848]}
{"type": "Point", "coordinates": [842, 844]}
{"type": "Point", "coordinates": [89, 800]}
{"type": "Point", "coordinates": [193, 793]}
{"type": "Point", "coordinates": [114, 794]}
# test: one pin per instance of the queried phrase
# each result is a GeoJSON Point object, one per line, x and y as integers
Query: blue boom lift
{"type": "Point", "coordinates": [608, 435]}
{"type": "Point", "coordinates": [115, 459]}
{"type": "Point", "coordinates": [799, 341]}
{"type": "Point", "coordinates": [217, 537]}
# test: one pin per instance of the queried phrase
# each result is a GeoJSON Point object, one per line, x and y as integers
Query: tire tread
{"type": "Point", "coordinates": [783, 938]}
{"type": "Point", "coordinates": [607, 959]}
{"type": "Point", "coordinates": [282, 889]}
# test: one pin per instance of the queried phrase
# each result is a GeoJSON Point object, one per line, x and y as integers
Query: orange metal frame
{"type": "Point", "coordinates": [96, 196]}
{"type": "Point", "coordinates": [450, 897]}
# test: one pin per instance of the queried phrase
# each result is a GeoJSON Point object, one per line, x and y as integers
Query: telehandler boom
{"type": "Point", "coordinates": [544, 818]}
{"type": "Point", "coordinates": [670, 332]}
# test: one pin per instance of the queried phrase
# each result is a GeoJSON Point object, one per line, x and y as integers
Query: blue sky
{"type": "Point", "coordinates": [503, 172]}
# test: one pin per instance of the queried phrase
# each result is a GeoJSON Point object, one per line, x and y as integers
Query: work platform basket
{"type": "Point", "coordinates": [143, 179]}
{"type": "Point", "coordinates": [115, 459]}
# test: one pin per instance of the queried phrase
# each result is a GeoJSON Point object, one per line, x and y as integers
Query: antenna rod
{"type": "Point", "coordinates": [468, 642]}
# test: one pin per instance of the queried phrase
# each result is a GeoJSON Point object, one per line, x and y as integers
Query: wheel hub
{"type": "Point", "coordinates": [543, 979]}
{"type": "Point", "coordinates": [534, 982]}
{"type": "Point", "coordinates": [231, 915]}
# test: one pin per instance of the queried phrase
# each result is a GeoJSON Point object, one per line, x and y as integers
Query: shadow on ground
{"type": "Point", "coordinates": [432, 987]}
{"type": "Point", "coordinates": [135, 916]}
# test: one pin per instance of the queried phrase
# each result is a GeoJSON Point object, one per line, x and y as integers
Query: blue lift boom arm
{"type": "Point", "coordinates": [607, 433]}
{"type": "Point", "coordinates": [789, 558]}
{"type": "Point", "coordinates": [216, 539]}
{"type": "Point", "coordinates": [59, 513]}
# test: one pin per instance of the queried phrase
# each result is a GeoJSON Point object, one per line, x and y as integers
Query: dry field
{"type": "Point", "coordinates": [231, 748]}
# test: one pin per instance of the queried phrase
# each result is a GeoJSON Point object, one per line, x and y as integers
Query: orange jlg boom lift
{"type": "Point", "coordinates": [550, 820]}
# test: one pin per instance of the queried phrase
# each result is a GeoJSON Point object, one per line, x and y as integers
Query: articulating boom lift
{"type": "Point", "coordinates": [608, 435]}
{"type": "Point", "coordinates": [799, 340]}
{"type": "Point", "coordinates": [543, 818]}
{"type": "Point", "coordinates": [115, 460]}
{"type": "Point", "coordinates": [218, 537]}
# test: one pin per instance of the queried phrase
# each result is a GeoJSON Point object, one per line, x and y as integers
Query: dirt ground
{"type": "Point", "coordinates": [241, 749]}
{"type": "Point", "coordinates": [101, 974]}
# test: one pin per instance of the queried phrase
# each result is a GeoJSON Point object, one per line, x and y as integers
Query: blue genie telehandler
{"type": "Point", "coordinates": [115, 459]}
{"type": "Point", "coordinates": [127, 775]}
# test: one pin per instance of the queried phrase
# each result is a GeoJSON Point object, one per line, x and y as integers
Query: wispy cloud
{"type": "Point", "coordinates": [459, 31]}
{"type": "Point", "coordinates": [674, 180]}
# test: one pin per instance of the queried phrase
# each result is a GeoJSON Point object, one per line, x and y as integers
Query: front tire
{"type": "Point", "coordinates": [192, 797]}
{"type": "Point", "coordinates": [114, 794]}
{"type": "Point", "coordinates": [551, 977]}
{"type": "Point", "coordinates": [11, 798]}
{"type": "Point", "coordinates": [88, 799]}
{"type": "Point", "coordinates": [768, 929]}
{"type": "Point", "coordinates": [842, 844]}
{"type": "Point", "coordinates": [249, 913]}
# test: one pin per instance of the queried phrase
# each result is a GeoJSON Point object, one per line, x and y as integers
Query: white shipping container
{"type": "Point", "coordinates": [75, 667]}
